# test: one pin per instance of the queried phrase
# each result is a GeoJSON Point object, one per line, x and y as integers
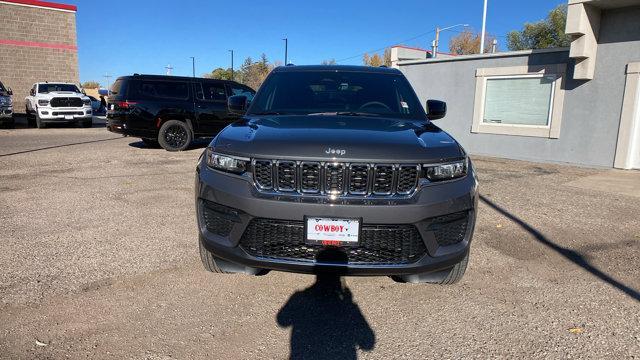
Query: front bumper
{"type": "Point", "coordinates": [6, 113]}
{"type": "Point", "coordinates": [64, 114]}
{"type": "Point", "coordinates": [432, 201]}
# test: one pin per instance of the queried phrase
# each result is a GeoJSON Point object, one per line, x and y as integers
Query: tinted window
{"type": "Point", "coordinates": [242, 90]}
{"type": "Point", "coordinates": [163, 89]}
{"type": "Point", "coordinates": [211, 91]}
{"type": "Point", "coordinates": [118, 87]}
{"type": "Point", "coordinates": [305, 92]}
{"type": "Point", "coordinates": [47, 88]}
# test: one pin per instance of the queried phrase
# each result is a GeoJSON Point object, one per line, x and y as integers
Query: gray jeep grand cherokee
{"type": "Point", "coordinates": [336, 168]}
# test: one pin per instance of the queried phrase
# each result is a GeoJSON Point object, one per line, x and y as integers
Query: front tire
{"type": "Point", "coordinates": [175, 135]}
{"type": "Point", "coordinates": [209, 261]}
{"type": "Point", "coordinates": [445, 277]}
{"type": "Point", "coordinates": [39, 123]}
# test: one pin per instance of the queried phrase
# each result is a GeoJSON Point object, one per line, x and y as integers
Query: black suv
{"type": "Point", "coordinates": [337, 168]}
{"type": "Point", "coordinates": [171, 110]}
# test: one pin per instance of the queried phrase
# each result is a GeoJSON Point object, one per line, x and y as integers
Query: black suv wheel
{"type": "Point", "coordinates": [175, 135]}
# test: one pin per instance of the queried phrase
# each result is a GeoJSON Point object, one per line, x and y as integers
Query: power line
{"type": "Point", "coordinates": [382, 48]}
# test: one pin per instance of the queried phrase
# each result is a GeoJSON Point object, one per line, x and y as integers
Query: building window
{"type": "Point", "coordinates": [525, 101]}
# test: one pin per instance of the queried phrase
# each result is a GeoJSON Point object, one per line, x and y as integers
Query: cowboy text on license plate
{"type": "Point", "coordinates": [332, 232]}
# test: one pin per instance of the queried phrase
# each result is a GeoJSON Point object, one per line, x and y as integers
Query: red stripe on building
{"type": "Point", "coordinates": [39, 45]}
{"type": "Point", "coordinates": [44, 4]}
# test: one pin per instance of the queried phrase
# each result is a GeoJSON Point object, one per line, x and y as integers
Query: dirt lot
{"type": "Point", "coordinates": [98, 259]}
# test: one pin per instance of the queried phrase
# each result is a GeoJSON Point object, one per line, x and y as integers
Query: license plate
{"type": "Point", "coordinates": [332, 232]}
{"type": "Point", "coordinates": [68, 117]}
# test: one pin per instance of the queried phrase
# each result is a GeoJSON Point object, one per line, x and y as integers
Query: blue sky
{"type": "Point", "coordinates": [122, 37]}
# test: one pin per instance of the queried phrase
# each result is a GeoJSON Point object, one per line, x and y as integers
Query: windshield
{"type": "Point", "coordinates": [47, 88]}
{"type": "Point", "coordinates": [325, 92]}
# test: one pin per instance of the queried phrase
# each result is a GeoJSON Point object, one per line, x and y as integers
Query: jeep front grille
{"type": "Point", "coordinates": [331, 178]}
{"type": "Point", "coordinates": [379, 244]}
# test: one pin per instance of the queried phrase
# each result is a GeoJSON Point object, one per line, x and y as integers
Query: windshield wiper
{"type": "Point", "coordinates": [345, 113]}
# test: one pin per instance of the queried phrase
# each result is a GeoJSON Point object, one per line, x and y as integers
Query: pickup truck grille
{"type": "Point", "coordinates": [330, 178]}
{"type": "Point", "coordinates": [66, 102]}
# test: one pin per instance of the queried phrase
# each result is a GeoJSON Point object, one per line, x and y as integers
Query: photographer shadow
{"type": "Point", "coordinates": [325, 322]}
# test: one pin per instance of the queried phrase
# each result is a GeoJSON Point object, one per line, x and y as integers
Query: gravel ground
{"type": "Point", "coordinates": [99, 259]}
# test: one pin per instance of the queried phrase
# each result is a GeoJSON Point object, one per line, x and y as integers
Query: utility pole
{"type": "Point", "coordinates": [286, 48]}
{"type": "Point", "coordinates": [107, 76]}
{"type": "Point", "coordinates": [484, 25]}
{"type": "Point", "coordinates": [193, 65]}
{"type": "Point", "coordinates": [436, 43]}
{"type": "Point", "coordinates": [231, 51]}
{"type": "Point", "coordinates": [168, 68]}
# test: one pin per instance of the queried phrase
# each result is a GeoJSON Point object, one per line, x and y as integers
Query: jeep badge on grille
{"type": "Point", "coordinates": [335, 151]}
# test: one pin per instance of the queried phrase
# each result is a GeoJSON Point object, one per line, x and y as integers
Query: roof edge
{"type": "Point", "coordinates": [483, 56]}
{"type": "Point", "coordinates": [42, 4]}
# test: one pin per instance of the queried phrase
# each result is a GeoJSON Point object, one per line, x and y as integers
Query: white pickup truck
{"type": "Point", "coordinates": [58, 102]}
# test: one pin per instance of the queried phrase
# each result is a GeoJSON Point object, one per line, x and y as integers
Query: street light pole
{"type": "Point", "coordinates": [437, 41]}
{"type": "Point", "coordinates": [193, 65]}
{"type": "Point", "coordinates": [107, 76]}
{"type": "Point", "coordinates": [484, 25]}
{"type": "Point", "coordinates": [231, 51]}
{"type": "Point", "coordinates": [286, 49]}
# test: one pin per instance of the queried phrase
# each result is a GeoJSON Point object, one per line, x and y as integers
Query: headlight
{"type": "Point", "coordinates": [43, 102]}
{"type": "Point", "coordinates": [86, 101]}
{"type": "Point", "coordinates": [226, 162]}
{"type": "Point", "coordinates": [446, 171]}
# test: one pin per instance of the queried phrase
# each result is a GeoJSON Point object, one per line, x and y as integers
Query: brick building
{"type": "Point", "coordinates": [37, 43]}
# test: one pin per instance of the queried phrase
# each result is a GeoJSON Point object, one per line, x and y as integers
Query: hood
{"type": "Point", "coordinates": [53, 94]}
{"type": "Point", "coordinates": [343, 138]}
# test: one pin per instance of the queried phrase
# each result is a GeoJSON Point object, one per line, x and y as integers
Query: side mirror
{"type": "Point", "coordinates": [32, 93]}
{"type": "Point", "coordinates": [237, 104]}
{"type": "Point", "coordinates": [436, 109]}
{"type": "Point", "coordinates": [9, 92]}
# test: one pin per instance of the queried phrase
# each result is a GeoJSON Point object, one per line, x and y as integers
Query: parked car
{"type": "Point", "coordinates": [6, 106]}
{"type": "Point", "coordinates": [95, 103]}
{"type": "Point", "coordinates": [169, 110]}
{"type": "Point", "coordinates": [58, 102]}
{"type": "Point", "coordinates": [336, 168]}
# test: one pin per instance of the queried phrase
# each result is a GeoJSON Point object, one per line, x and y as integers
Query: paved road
{"type": "Point", "coordinates": [98, 258]}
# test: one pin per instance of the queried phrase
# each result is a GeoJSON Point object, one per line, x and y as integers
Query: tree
{"type": "Point", "coordinates": [375, 60]}
{"type": "Point", "coordinates": [328, 62]}
{"type": "Point", "coordinates": [91, 84]}
{"type": "Point", "coordinates": [250, 73]}
{"type": "Point", "coordinates": [543, 34]}
{"type": "Point", "coordinates": [386, 57]}
{"type": "Point", "coordinates": [467, 43]}
{"type": "Point", "coordinates": [219, 73]}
